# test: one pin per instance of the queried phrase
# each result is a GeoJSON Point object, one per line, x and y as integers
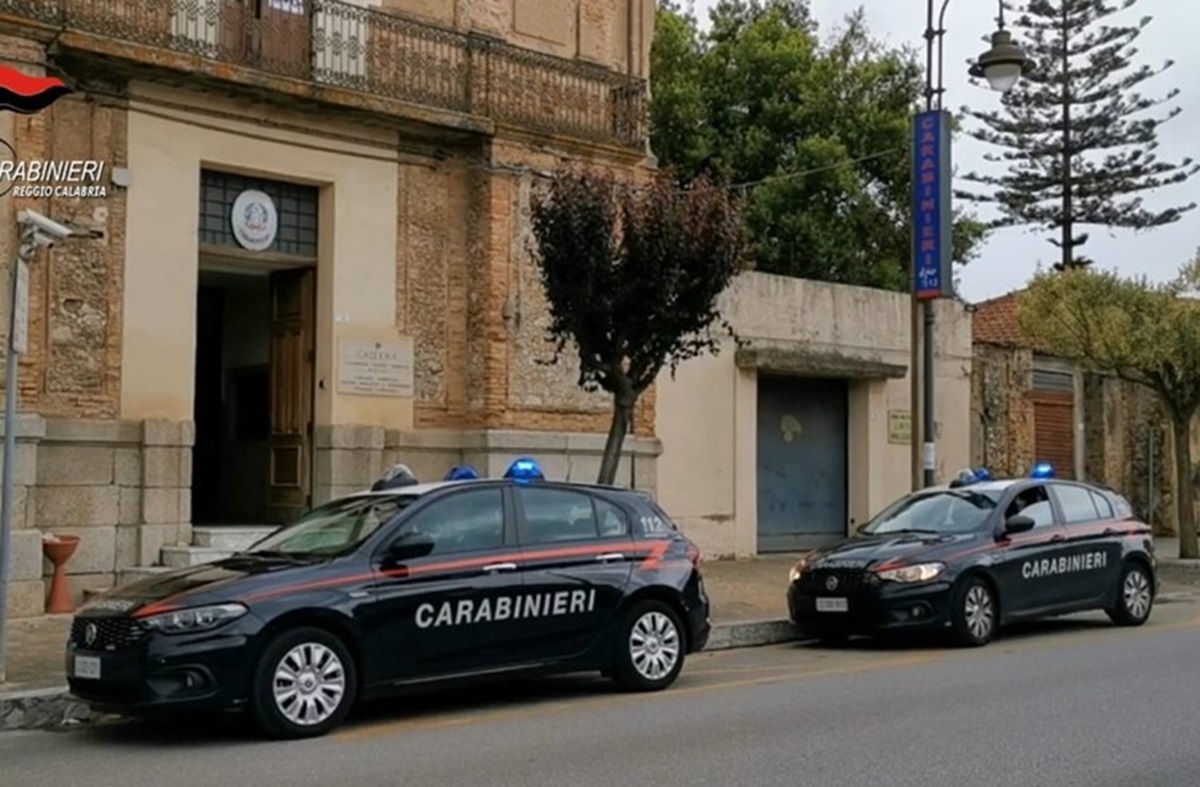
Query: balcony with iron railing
{"type": "Point", "coordinates": [375, 54]}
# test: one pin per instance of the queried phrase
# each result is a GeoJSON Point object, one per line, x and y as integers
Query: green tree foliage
{"type": "Point", "coordinates": [1079, 139]}
{"type": "Point", "coordinates": [1146, 333]}
{"type": "Point", "coordinates": [819, 130]}
{"type": "Point", "coordinates": [632, 275]}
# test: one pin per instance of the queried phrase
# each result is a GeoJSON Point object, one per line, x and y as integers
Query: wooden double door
{"type": "Point", "coordinates": [292, 356]}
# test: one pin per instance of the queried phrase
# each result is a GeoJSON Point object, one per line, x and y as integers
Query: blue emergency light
{"type": "Point", "coordinates": [982, 474]}
{"type": "Point", "coordinates": [461, 473]}
{"type": "Point", "coordinates": [525, 470]}
{"type": "Point", "coordinates": [1042, 470]}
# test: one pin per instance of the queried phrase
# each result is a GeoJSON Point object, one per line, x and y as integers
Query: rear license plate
{"type": "Point", "coordinates": [87, 667]}
{"type": "Point", "coordinates": [833, 605]}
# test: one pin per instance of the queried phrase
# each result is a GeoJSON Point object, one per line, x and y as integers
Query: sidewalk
{"type": "Point", "coordinates": [748, 600]}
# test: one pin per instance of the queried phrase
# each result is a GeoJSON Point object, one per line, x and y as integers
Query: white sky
{"type": "Point", "coordinates": [1010, 256]}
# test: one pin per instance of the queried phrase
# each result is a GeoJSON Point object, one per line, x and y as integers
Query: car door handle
{"type": "Point", "coordinates": [500, 567]}
{"type": "Point", "coordinates": [609, 557]}
{"type": "Point", "coordinates": [1108, 531]}
{"type": "Point", "coordinates": [1056, 539]}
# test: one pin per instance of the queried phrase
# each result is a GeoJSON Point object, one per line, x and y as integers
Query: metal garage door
{"type": "Point", "coordinates": [1053, 399]}
{"type": "Point", "coordinates": [801, 463]}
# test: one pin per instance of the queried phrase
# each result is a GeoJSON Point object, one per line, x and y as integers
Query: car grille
{"type": "Point", "coordinates": [110, 633]}
{"type": "Point", "coordinates": [848, 580]}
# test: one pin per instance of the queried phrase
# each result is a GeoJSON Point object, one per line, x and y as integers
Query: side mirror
{"type": "Point", "coordinates": [408, 547]}
{"type": "Point", "coordinates": [1018, 524]}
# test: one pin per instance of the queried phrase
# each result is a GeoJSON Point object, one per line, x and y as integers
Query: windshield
{"type": "Point", "coordinates": [940, 511]}
{"type": "Point", "coordinates": [334, 528]}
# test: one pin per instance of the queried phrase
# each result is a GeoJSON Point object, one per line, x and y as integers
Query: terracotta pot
{"type": "Point", "coordinates": [58, 552]}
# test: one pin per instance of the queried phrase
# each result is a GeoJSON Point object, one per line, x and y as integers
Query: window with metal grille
{"type": "Point", "coordinates": [1044, 380]}
{"type": "Point", "coordinates": [295, 204]}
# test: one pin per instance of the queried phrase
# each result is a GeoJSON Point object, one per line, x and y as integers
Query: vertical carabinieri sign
{"type": "Point", "coordinates": [931, 205]}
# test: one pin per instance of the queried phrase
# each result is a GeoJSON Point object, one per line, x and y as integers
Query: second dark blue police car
{"type": "Point", "coordinates": [969, 557]}
{"type": "Point", "coordinates": [408, 584]}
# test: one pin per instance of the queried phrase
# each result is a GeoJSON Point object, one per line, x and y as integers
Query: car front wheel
{"type": "Point", "coordinates": [649, 651]}
{"type": "Point", "coordinates": [304, 685]}
{"type": "Point", "coordinates": [1135, 597]}
{"type": "Point", "coordinates": [974, 616]}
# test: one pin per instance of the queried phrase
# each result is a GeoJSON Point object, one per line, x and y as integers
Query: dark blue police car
{"type": "Point", "coordinates": [972, 556]}
{"type": "Point", "coordinates": [406, 585]}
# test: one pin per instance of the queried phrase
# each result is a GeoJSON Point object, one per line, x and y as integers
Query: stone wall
{"type": "Point", "coordinates": [1001, 413]}
{"type": "Point", "coordinates": [1127, 440]}
{"type": "Point", "coordinates": [122, 487]}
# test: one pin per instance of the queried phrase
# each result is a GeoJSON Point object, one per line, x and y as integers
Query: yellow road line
{"type": "Point", "coordinates": [390, 728]}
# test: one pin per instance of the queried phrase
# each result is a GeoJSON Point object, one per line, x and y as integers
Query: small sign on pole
{"type": "Point", "coordinates": [19, 341]}
{"type": "Point", "coordinates": [932, 220]}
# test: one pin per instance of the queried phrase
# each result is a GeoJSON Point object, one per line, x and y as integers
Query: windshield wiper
{"type": "Point", "coordinates": [276, 554]}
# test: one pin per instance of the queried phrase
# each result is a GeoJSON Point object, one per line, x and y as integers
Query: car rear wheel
{"type": "Point", "coordinates": [1135, 596]}
{"type": "Point", "coordinates": [974, 615]}
{"type": "Point", "coordinates": [649, 651]}
{"type": "Point", "coordinates": [304, 685]}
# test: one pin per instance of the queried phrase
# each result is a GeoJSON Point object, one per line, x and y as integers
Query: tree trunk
{"type": "Point", "coordinates": [1183, 487]}
{"type": "Point", "coordinates": [622, 414]}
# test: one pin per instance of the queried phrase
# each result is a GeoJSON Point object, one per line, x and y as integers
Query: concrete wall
{"type": "Point", "coordinates": [706, 416]}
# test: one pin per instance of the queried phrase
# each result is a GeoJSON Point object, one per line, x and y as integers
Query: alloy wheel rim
{"type": "Point", "coordinates": [654, 645]}
{"type": "Point", "coordinates": [1137, 594]}
{"type": "Point", "coordinates": [310, 683]}
{"type": "Point", "coordinates": [979, 610]}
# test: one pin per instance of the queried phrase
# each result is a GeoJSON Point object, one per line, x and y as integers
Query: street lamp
{"type": "Point", "coordinates": [1002, 66]}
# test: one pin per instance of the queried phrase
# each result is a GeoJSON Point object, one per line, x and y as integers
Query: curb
{"type": "Point", "coordinates": [40, 709]}
{"type": "Point", "coordinates": [54, 707]}
{"type": "Point", "coordinates": [1176, 570]}
{"type": "Point", "coordinates": [751, 634]}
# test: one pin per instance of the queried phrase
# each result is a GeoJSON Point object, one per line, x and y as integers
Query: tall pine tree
{"type": "Point", "coordinates": [1080, 140]}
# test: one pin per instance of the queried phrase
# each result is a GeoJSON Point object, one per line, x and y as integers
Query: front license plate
{"type": "Point", "coordinates": [87, 667]}
{"type": "Point", "coordinates": [832, 605]}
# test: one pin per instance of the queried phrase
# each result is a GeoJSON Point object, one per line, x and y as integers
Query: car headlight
{"type": "Point", "coordinates": [797, 570]}
{"type": "Point", "coordinates": [187, 621]}
{"type": "Point", "coordinates": [921, 572]}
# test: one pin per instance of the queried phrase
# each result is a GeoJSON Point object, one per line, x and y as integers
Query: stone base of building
{"type": "Point", "coordinates": [125, 487]}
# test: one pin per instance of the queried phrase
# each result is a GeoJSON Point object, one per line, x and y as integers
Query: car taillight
{"type": "Point", "coordinates": [693, 553]}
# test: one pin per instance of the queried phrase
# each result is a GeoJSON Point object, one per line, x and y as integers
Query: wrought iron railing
{"type": "Point", "coordinates": [338, 43]}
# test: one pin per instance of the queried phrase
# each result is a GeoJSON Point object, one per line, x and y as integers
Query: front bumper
{"type": "Point", "coordinates": [147, 672]}
{"type": "Point", "coordinates": [872, 606]}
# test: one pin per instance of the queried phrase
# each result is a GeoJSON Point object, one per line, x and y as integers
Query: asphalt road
{"type": "Point", "coordinates": [1071, 703]}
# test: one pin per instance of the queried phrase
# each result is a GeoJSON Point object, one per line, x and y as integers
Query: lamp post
{"type": "Point", "coordinates": [1002, 66]}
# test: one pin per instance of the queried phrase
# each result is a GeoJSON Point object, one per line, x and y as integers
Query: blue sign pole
{"type": "Point", "coordinates": [932, 226]}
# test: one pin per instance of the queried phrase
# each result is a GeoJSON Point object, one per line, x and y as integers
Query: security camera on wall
{"type": "Point", "coordinates": [43, 231]}
{"type": "Point", "coordinates": [44, 225]}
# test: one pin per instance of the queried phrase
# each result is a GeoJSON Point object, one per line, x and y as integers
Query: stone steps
{"type": "Point", "coordinates": [209, 543]}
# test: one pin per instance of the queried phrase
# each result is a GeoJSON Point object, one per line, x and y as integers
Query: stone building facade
{"type": "Point", "coordinates": [314, 258]}
{"type": "Point", "coordinates": [1028, 405]}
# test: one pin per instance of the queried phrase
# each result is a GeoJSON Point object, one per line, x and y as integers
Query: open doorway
{"type": "Point", "coordinates": [232, 406]}
{"type": "Point", "coordinates": [255, 352]}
